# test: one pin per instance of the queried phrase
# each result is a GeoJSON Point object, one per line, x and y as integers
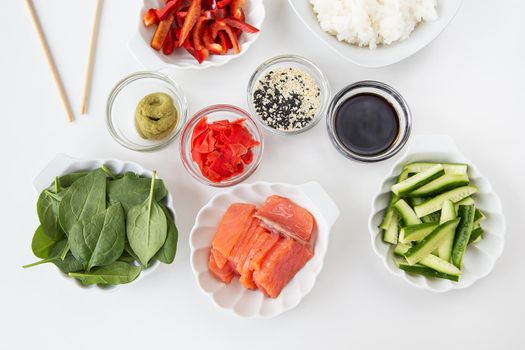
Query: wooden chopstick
{"type": "Point", "coordinates": [92, 49]}
{"type": "Point", "coordinates": [50, 60]}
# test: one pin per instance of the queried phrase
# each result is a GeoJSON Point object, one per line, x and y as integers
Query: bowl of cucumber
{"type": "Point", "coordinates": [436, 221]}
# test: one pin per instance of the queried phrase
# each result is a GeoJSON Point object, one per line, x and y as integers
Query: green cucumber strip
{"type": "Point", "coordinates": [478, 217]}
{"type": "Point", "coordinates": [415, 201]}
{"type": "Point", "coordinates": [464, 201]}
{"type": "Point", "coordinates": [434, 217]}
{"type": "Point", "coordinates": [393, 199]}
{"type": "Point", "coordinates": [425, 271]}
{"type": "Point", "coordinates": [436, 203]}
{"type": "Point", "coordinates": [450, 168]}
{"type": "Point", "coordinates": [416, 232]}
{"type": "Point", "coordinates": [448, 212]}
{"type": "Point", "coordinates": [476, 235]}
{"type": "Point", "coordinates": [440, 265]}
{"type": "Point", "coordinates": [401, 249]}
{"type": "Point", "coordinates": [406, 213]}
{"type": "Point", "coordinates": [440, 185]}
{"type": "Point", "coordinates": [424, 247]}
{"type": "Point", "coordinates": [463, 232]}
{"type": "Point", "coordinates": [391, 233]}
{"type": "Point", "coordinates": [418, 180]}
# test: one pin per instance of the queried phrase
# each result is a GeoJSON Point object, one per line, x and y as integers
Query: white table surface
{"type": "Point", "coordinates": [468, 84]}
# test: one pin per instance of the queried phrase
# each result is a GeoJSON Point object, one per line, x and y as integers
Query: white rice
{"type": "Point", "coordinates": [372, 22]}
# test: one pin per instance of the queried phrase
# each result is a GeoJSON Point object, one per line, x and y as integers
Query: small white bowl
{"type": "Point", "coordinates": [383, 55]}
{"type": "Point", "coordinates": [252, 303]}
{"type": "Point", "coordinates": [480, 257]}
{"type": "Point", "coordinates": [63, 164]}
{"type": "Point", "coordinates": [139, 44]}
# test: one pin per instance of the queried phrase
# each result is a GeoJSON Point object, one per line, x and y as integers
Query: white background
{"type": "Point", "coordinates": [469, 84]}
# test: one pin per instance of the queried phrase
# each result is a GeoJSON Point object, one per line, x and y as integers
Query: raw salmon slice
{"type": "Point", "coordinates": [281, 215]}
{"type": "Point", "coordinates": [256, 244]}
{"type": "Point", "coordinates": [225, 274]}
{"type": "Point", "coordinates": [241, 249]}
{"type": "Point", "coordinates": [280, 266]}
{"type": "Point", "coordinates": [234, 223]}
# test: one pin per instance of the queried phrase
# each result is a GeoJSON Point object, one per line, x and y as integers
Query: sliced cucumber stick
{"type": "Point", "coordinates": [393, 199]}
{"type": "Point", "coordinates": [440, 185]}
{"type": "Point", "coordinates": [425, 271]}
{"type": "Point", "coordinates": [424, 247]}
{"type": "Point", "coordinates": [406, 213]}
{"type": "Point", "coordinates": [476, 235]}
{"type": "Point", "coordinates": [436, 203]}
{"type": "Point", "coordinates": [391, 233]}
{"type": "Point", "coordinates": [448, 212]}
{"type": "Point", "coordinates": [416, 232]}
{"type": "Point", "coordinates": [416, 181]}
{"type": "Point", "coordinates": [463, 232]}
{"type": "Point", "coordinates": [450, 168]}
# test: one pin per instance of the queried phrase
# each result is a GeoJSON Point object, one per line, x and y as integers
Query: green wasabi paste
{"type": "Point", "coordinates": [156, 116]}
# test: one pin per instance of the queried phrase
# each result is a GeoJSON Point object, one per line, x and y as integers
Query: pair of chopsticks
{"type": "Point", "coordinates": [52, 65]}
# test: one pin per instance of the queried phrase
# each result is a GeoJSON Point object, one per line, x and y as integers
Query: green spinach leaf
{"type": "Point", "coordinates": [42, 243]}
{"type": "Point", "coordinates": [132, 190]}
{"type": "Point", "coordinates": [67, 180]}
{"type": "Point", "coordinates": [146, 227]}
{"type": "Point", "coordinates": [167, 252]}
{"type": "Point", "coordinates": [83, 199]}
{"type": "Point", "coordinates": [47, 210]}
{"type": "Point", "coordinates": [67, 264]}
{"type": "Point", "coordinates": [117, 273]}
{"type": "Point", "coordinates": [99, 240]}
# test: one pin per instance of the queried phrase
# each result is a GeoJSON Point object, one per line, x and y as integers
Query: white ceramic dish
{"type": "Point", "coordinates": [479, 258]}
{"type": "Point", "coordinates": [386, 55]}
{"type": "Point", "coordinates": [63, 164]}
{"type": "Point", "coordinates": [139, 44]}
{"type": "Point", "coordinates": [234, 296]}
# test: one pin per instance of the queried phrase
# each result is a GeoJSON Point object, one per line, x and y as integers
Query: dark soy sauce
{"type": "Point", "coordinates": [366, 124]}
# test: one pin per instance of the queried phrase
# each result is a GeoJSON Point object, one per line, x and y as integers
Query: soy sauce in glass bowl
{"type": "Point", "coordinates": [369, 121]}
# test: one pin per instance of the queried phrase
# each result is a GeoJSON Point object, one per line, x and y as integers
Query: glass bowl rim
{"type": "Point", "coordinates": [122, 84]}
{"type": "Point", "coordinates": [249, 169]}
{"type": "Point", "coordinates": [319, 77]}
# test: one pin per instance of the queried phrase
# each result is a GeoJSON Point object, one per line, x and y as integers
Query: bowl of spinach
{"type": "Point", "coordinates": [103, 223]}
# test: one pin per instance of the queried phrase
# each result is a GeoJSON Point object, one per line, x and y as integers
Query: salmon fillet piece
{"type": "Point", "coordinates": [280, 265]}
{"type": "Point", "coordinates": [279, 214]}
{"type": "Point", "coordinates": [234, 223]}
{"type": "Point", "coordinates": [225, 274]}
{"type": "Point", "coordinates": [243, 246]}
{"type": "Point", "coordinates": [260, 236]}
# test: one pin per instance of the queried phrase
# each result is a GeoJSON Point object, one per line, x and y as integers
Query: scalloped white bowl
{"type": "Point", "coordinates": [234, 297]}
{"type": "Point", "coordinates": [63, 164]}
{"type": "Point", "coordinates": [383, 55]}
{"type": "Point", "coordinates": [481, 257]}
{"type": "Point", "coordinates": [139, 45]}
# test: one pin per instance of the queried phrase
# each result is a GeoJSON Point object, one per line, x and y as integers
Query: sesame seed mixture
{"type": "Point", "coordinates": [287, 99]}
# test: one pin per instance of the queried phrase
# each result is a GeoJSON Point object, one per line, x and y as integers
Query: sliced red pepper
{"type": "Point", "coordinates": [198, 32]}
{"type": "Point", "coordinates": [223, 3]}
{"type": "Point", "coordinates": [180, 17]}
{"type": "Point", "coordinates": [161, 33]}
{"type": "Point", "coordinates": [193, 15]}
{"type": "Point", "coordinates": [225, 42]}
{"type": "Point", "coordinates": [236, 9]}
{"type": "Point", "coordinates": [150, 18]}
{"type": "Point", "coordinates": [199, 55]}
{"type": "Point", "coordinates": [215, 14]}
{"type": "Point", "coordinates": [220, 25]}
{"type": "Point", "coordinates": [169, 8]}
{"type": "Point", "coordinates": [245, 27]}
{"type": "Point", "coordinates": [169, 44]}
{"type": "Point", "coordinates": [212, 46]}
{"type": "Point", "coordinates": [210, 4]}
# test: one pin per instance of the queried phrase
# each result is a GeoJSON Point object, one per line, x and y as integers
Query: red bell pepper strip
{"type": "Point", "coordinates": [223, 3]}
{"type": "Point", "coordinates": [220, 25]}
{"type": "Point", "coordinates": [169, 44]}
{"type": "Point", "coordinates": [161, 33]}
{"type": "Point", "coordinates": [150, 18]}
{"type": "Point", "coordinates": [212, 46]}
{"type": "Point", "coordinates": [215, 14]}
{"type": "Point", "coordinates": [245, 27]}
{"type": "Point", "coordinates": [193, 15]}
{"type": "Point", "coordinates": [225, 42]}
{"type": "Point", "coordinates": [236, 9]}
{"type": "Point", "coordinates": [197, 33]}
{"type": "Point", "coordinates": [168, 9]}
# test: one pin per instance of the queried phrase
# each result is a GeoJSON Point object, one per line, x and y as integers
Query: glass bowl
{"type": "Point", "coordinates": [215, 113]}
{"type": "Point", "coordinates": [123, 100]}
{"type": "Point", "coordinates": [295, 62]}
{"type": "Point", "coordinates": [389, 94]}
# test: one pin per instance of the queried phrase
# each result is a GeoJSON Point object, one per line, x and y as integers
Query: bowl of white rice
{"type": "Point", "coordinates": [376, 33]}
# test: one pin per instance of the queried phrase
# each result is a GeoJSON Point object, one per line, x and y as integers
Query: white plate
{"type": "Point", "coordinates": [234, 296]}
{"type": "Point", "coordinates": [480, 257]}
{"type": "Point", "coordinates": [139, 44]}
{"type": "Point", "coordinates": [63, 164]}
{"type": "Point", "coordinates": [385, 55]}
